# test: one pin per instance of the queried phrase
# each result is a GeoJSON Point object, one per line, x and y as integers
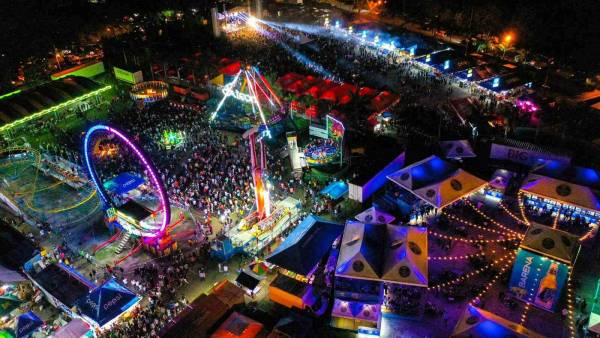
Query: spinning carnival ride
{"type": "Point", "coordinates": [45, 187]}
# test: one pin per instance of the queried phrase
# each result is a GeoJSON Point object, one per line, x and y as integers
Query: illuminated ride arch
{"type": "Point", "coordinates": [149, 230]}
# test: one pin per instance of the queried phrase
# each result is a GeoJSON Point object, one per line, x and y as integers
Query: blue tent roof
{"type": "Point", "coordinates": [107, 302]}
{"type": "Point", "coordinates": [574, 174]}
{"type": "Point", "coordinates": [27, 323]}
{"type": "Point", "coordinates": [123, 183]}
{"type": "Point", "coordinates": [306, 245]}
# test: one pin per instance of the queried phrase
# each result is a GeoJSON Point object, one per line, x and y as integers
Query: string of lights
{"type": "Point", "coordinates": [455, 258]}
{"type": "Point", "coordinates": [510, 213]}
{"type": "Point", "coordinates": [482, 214]}
{"type": "Point", "coordinates": [587, 235]}
{"type": "Point", "coordinates": [507, 264]}
{"type": "Point", "coordinates": [525, 313]}
{"type": "Point", "coordinates": [522, 209]}
{"type": "Point", "coordinates": [506, 258]}
{"type": "Point", "coordinates": [507, 232]}
{"type": "Point", "coordinates": [570, 307]}
{"type": "Point", "coordinates": [468, 240]}
{"type": "Point", "coordinates": [555, 222]}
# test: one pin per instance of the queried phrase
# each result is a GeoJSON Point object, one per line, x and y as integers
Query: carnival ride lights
{"type": "Point", "coordinates": [150, 231]}
{"type": "Point", "coordinates": [255, 83]}
{"type": "Point", "coordinates": [149, 91]}
{"type": "Point", "coordinates": [258, 162]}
{"type": "Point", "coordinates": [23, 155]}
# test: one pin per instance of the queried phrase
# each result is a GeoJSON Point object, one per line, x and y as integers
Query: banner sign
{"type": "Point", "coordinates": [316, 131]}
{"type": "Point", "coordinates": [525, 156]}
{"type": "Point", "coordinates": [335, 128]}
{"type": "Point", "coordinates": [538, 280]}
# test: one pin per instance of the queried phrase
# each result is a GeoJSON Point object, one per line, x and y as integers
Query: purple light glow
{"type": "Point", "coordinates": [164, 200]}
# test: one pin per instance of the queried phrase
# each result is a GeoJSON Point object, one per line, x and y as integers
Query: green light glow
{"type": "Point", "coordinates": [52, 109]}
{"type": "Point", "coordinates": [3, 96]}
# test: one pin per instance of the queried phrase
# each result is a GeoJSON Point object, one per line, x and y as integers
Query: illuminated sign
{"type": "Point", "coordinates": [496, 82]}
{"type": "Point", "coordinates": [470, 73]}
{"type": "Point", "coordinates": [446, 64]}
{"type": "Point", "coordinates": [537, 279]}
{"type": "Point", "coordinates": [227, 90]}
{"type": "Point", "coordinates": [412, 50]}
{"type": "Point", "coordinates": [428, 58]}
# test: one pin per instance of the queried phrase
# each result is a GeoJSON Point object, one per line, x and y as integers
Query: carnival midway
{"type": "Point", "coordinates": [299, 172]}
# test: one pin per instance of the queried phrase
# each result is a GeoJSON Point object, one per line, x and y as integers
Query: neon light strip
{"type": "Point", "coordinates": [164, 200]}
{"type": "Point", "coordinates": [52, 109]}
{"type": "Point", "coordinates": [3, 96]}
{"type": "Point", "coordinates": [262, 116]}
{"type": "Point", "coordinates": [227, 94]}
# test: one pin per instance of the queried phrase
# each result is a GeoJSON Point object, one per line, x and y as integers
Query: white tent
{"type": "Point", "coordinates": [374, 216]}
{"type": "Point", "coordinates": [561, 191]}
{"type": "Point", "coordinates": [384, 252]}
{"type": "Point", "coordinates": [436, 181]}
{"type": "Point", "coordinates": [457, 149]}
{"type": "Point", "coordinates": [74, 329]}
{"type": "Point", "coordinates": [556, 244]}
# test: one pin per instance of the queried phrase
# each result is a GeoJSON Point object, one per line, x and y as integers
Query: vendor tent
{"type": "Point", "coordinates": [306, 245]}
{"type": "Point", "coordinates": [27, 323]}
{"type": "Point", "coordinates": [390, 253]}
{"type": "Point", "coordinates": [437, 182]}
{"type": "Point", "coordinates": [76, 328]}
{"type": "Point", "coordinates": [374, 216]}
{"type": "Point", "coordinates": [247, 281]}
{"type": "Point", "coordinates": [562, 191]}
{"type": "Point", "coordinates": [457, 149]}
{"type": "Point", "coordinates": [107, 302]}
{"type": "Point", "coordinates": [238, 325]}
{"type": "Point", "coordinates": [556, 244]}
{"type": "Point", "coordinates": [8, 304]}
{"type": "Point", "coordinates": [478, 323]}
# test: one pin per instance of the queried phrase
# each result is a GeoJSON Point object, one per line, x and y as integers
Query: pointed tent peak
{"type": "Point", "coordinates": [556, 244]}
{"type": "Point", "coordinates": [436, 181]}
{"type": "Point", "coordinates": [27, 323]}
{"type": "Point", "coordinates": [359, 252]}
{"type": "Point", "coordinates": [374, 216]}
{"type": "Point", "coordinates": [406, 256]}
{"type": "Point", "coordinates": [384, 252]}
{"type": "Point", "coordinates": [479, 323]}
{"type": "Point", "coordinates": [457, 149]}
{"type": "Point", "coordinates": [562, 191]}
{"type": "Point", "coordinates": [356, 310]}
{"type": "Point", "coordinates": [107, 302]}
{"type": "Point", "coordinates": [451, 189]}
{"type": "Point", "coordinates": [423, 173]}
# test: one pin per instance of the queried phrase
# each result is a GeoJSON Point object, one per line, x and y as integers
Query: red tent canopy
{"type": "Point", "coordinates": [230, 67]}
{"type": "Point", "coordinates": [366, 91]}
{"type": "Point", "coordinates": [384, 100]}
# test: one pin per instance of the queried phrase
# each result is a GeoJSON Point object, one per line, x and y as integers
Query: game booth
{"type": "Point", "coordinates": [542, 266]}
{"type": "Point", "coordinates": [251, 238]}
{"type": "Point", "coordinates": [305, 247]}
{"type": "Point", "coordinates": [369, 255]}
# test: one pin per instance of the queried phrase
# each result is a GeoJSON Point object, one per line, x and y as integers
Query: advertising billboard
{"type": "Point", "coordinates": [525, 156]}
{"type": "Point", "coordinates": [537, 279]}
{"type": "Point", "coordinates": [127, 76]}
{"type": "Point", "coordinates": [335, 128]}
{"type": "Point", "coordinates": [88, 70]}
